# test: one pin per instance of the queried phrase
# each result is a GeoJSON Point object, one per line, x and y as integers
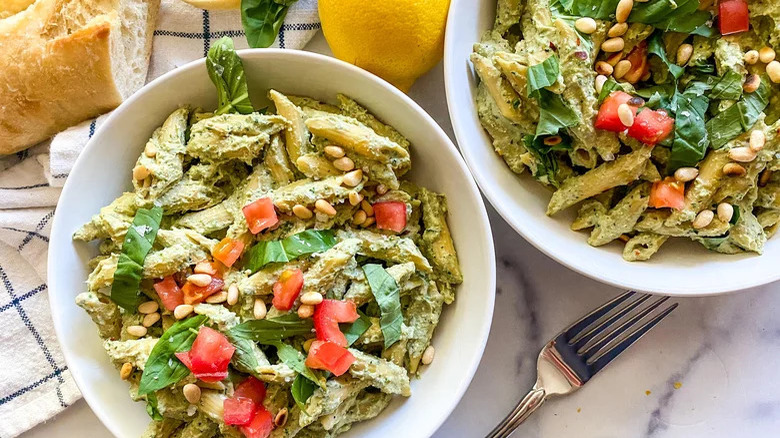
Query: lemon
{"type": "Point", "coordinates": [215, 4]}
{"type": "Point", "coordinates": [398, 40]}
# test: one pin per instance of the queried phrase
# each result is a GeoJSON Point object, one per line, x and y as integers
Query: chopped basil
{"type": "Point", "coordinates": [543, 74]}
{"type": "Point", "coordinates": [728, 86]}
{"type": "Point", "coordinates": [735, 217]}
{"type": "Point", "coordinates": [388, 297]}
{"type": "Point", "coordinates": [295, 360]}
{"type": "Point", "coordinates": [269, 331]}
{"type": "Point", "coordinates": [282, 251]}
{"type": "Point", "coordinates": [690, 135]}
{"type": "Point", "coordinates": [671, 15]}
{"type": "Point", "coordinates": [554, 115]}
{"type": "Point", "coordinates": [302, 389]}
{"type": "Point", "coordinates": [353, 331]}
{"type": "Point", "coordinates": [151, 407]}
{"type": "Point", "coordinates": [227, 73]}
{"type": "Point", "coordinates": [546, 163]}
{"type": "Point", "coordinates": [137, 244]}
{"type": "Point", "coordinates": [163, 369]}
{"type": "Point", "coordinates": [739, 117]}
{"type": "Point", "coordinates": [262, 20]}
{"type": "Point", "coordinates": [244, 358]}
{"type": "Point", "coordinates": [656, 47]}
{"type": "Point", "coordinates": [610, 86]}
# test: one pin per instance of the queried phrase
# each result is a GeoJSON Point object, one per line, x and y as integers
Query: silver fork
{"type": "Point", "coordinates": [576, 354]}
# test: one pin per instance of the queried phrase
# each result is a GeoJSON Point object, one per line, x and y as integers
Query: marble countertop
{"type": "Point", "coordinates": [705, 371]}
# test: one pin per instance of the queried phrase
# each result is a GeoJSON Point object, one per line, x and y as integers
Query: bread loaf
{"type": "Point", "coordinates": [64, 61]}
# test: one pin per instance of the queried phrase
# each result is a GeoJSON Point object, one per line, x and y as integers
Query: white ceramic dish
{"type": "Point", "coordinates": [102, 172]}
{"type": "Point", "coordinates": [680, 268]}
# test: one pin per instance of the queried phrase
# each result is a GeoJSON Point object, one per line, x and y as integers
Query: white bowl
{"type": "Point", "coordinates": [103, 170]}
{"type": "Point", "coordinates": [680, 268]}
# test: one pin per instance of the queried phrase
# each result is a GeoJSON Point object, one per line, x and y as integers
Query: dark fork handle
{"type": "Point", "coordinates": [523, 410]}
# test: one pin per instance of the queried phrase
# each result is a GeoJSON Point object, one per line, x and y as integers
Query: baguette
{"type": "Point", "coordinates": [65, 61]}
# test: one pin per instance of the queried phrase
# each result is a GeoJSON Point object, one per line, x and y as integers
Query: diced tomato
{"type": "Point", "coordinates": [607, 117]}
{"type": "Point", "coordinates": [260, 215]}
{"type": "Point", "coordinates": [238, 410]}
{"type": "Point", "coordinates": [390, 215]}
{"type": "Point", "coordinates": [329, 356]}
{"type": "Point", "coordinates": [733, 16]}
{"type": "Point", "coordinates": [195, 294]}
{"type": "Point", "coordinates": [668, 193]}
{"type": "Point", "coordinates": [651, 126]}
{"type": "Point", "coordinates": [252, 389]}
{"type": "Point", "coordinates": [209, 356]}
{"type": "Point", "coordinates": [287, 289]}
{"type": "Point", "coordinates": [228, 251]}
{"type": "Point", "coordinates": [169, 292]}
{"type": "Point", "coordinates": [327, 316]}
{"type": "Point", "coordinates": [638, 59]}
{"type": "Point", "coordinates": [261, 425]}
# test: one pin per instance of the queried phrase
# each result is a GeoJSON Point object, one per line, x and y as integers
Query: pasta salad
{"type": "Point", "coordinates": [270, 274]}
{"type": "Point", "coordinates": [658, 118]}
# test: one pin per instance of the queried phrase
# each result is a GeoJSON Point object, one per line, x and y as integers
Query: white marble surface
{"type": "Point", "coordinates": [723, 350]}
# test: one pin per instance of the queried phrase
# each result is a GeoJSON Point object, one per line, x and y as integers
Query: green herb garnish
{"type": "Point", "coordinates": [137, 244]}
{"type": "Point", "coordinates": [163, 369]}
{"type": "Point", "coordinates": [227, 73]}
{"type": "Point", "coordinates": [388, 297]}
{"type": "Point", "coordinates": [262, 20]}
{"type": "Point", "coordinates": [282, 251]}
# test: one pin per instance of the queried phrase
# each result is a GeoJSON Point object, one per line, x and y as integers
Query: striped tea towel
{"type": "Point", "coordinates": [35, 383]}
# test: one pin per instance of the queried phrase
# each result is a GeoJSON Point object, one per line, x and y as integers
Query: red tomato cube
{"type": "Point", "coordinates": [668, 193]}
{"type": "Point", "coordinates": [228, 251]}
{"type": "Point", "coordinates": [327, 316]}
{"type": "Point", "coordinates": [607, 117]}
{"type": "Point", "coordinates": [251, 388]}
{"type": "Point", "coordinates": [733, 16]}
{"type": "Point", "coordinates": [390, 215]}
{"type": "Point", "coordinates": [261, 425]}
{"type": "Point", "coordinates": [169, 292]}
{"type": "Point", "coordinates": [329, 356]}
{"type": "Point", "coordinates": [238, 410]}
{"type": "Point", "coordinates": [287, 289]}
{"type": "Point", "coordinates": [260, 215]}
{"type": "Point", "coordinates": [651, 126]}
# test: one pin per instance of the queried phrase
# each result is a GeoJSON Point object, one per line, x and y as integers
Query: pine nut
{"type": "Point", "coordinates": [773, 70]}
{"type": "Point", "coordinates": [182, 311]}
{"type": "Point", "coordinates": [359, 218]}
{"type": "Point", "coordinates": [217, 298]}
{"type": "Point", "coordinates": [305, 311]}
{"type": "Point", "coordinates": [201, 280]}
{"type": "Point", "coordinates": [751, 83]}
{"type": "Point", "coordinates": [725, 212]}
{"type": "Point", "coordinates": [764, 178]}
{"type": "Point", "coordinates": [324, 207]}
{"type": "Point", "coordinates": [615, 58]}
{"type": "Point", "coordinates": [344, 164]}
{"type": "Point", "coordinates": [138, 331]}
{"type": "Point", "coordinates": [281, 418]}
{"type": "Point", "coordinates": [685, 174]}
{"type": "Point", "coordinates": [684, 53]}
{"type": "Point", "coordinates": [307, 344]}
{"type": "Point", "coordinates": [150, 150]}
{"type": "Point", "coordinates": [766, 54]}
{"type": "Point", "coordinates": [428, 355]}
{"type": "Point", "coordinates": [148, 307]}
{"type": "Point", "coordinates": [552, 140]}
{"type": "Point", "coordinates": [381, 189]}
{"type": "Point", "coordinates": [757, 140]}
{"type": "Point", "coordinates": [311, 298]}
{"type": "Point", "coordinates": [603, 68]}
{"type": "Point", "coordinates": [742, 154]}
{"type": "Point", "coordinates": [366, 206]}
{"type": "Point", "coordinates": [191, 393]}
{"type": "Point", "coordinates": [733, 169]}
{"type": "Point", "coordinates": [600, 81]}
{"type": "Point", "coordinates": [232, 295]}
{"type": "Point", "coordinates": [751, 57]}
{"type": "Point", "coordinates": [140, 172]}
{"type": "Point", "coordinates": [259, 311]}
{"type": "Point", "coordinates": [334, 151]}
{"type": "Point", "coordinates": [302, 212]}
{"type": "Point", "coordinates": [623, 10]}
{"type": "Point", "coordinates": [585, 25]}
{"type": "Point", "coordinates": [204, 267]}
{"type": "Point", "coordinates": [355, 198]}
{"type": "Point", "coordinates": [370, 221]}
{"type": "Point", "coordinates": [626, 115]}
{"type": "Point", "coordinates": [703, 219]}
{"type": "Point", "coordinates": [613, 45]}
{"type": "Point", "coordinates": [150, 319]}
{"type": "Point", "coordinates": [353, 178]}
{"type": "Point", "coordinates": [622, 68]}
{"type": "Point", "coordinates": [125, 371]}
{"type": "Point", "coordinates": [619, 29]}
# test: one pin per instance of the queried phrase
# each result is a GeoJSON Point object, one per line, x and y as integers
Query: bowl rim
{"type": "Point", "coordinates": [492, 192]}
{"type": "Point", "coordinates": [70, 358]}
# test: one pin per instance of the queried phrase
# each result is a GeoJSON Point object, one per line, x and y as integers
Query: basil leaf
{"type": "Point", "coordinates": [282, 251]}
{"type": "Point", "coordinates": [137, 244]}
{"type": "Point", "coordinates": [656, 47]}
{"type": "Point", "coordinates": [739, 117]}
{"type": "Point", "coordinates": [669, 15]}
{"type": "Point", "coordinates": [227, 73]}
{"type": "Point", "coordinates": [728, 86]}
{"type": "Point", "coordinates": [262, 20]}
{"type": "Point", "coordinates": [735, 217]}
{"type": "Point", "coordinates": [610, 86]}
{"type": "Point", "coordinates": [163, 369]}
{"type": "Point", "coordinates": [302, 389]}
{"type": "Point", "coordinates": [244, 357]}
{"type": "Point", "coordinates": [353, 331]}
{"type": "Point", "coordinates": [690, 134]}
{"type": "Point", "coordinates": [543, 74]}
{"type": "Point", "coordinates": [295, 360]}
{"type": "Point", "coordinates": [388, 297]}
{"type": "Point", "coordinates": [270, 331]}
{"type": "Point", "coordinates": [546, 164]}
{"type": "Point", "coordinates": [601, 10]}
{"type": "Point", "coordinates": [151, 407]}
{"type": "Point", "coordinates": [553, 113]}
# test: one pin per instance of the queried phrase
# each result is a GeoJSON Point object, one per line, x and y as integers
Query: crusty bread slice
{"type": "Point", "coordinates": [11, 7]}
{"type": "Point", "coordinates": [64, 61]}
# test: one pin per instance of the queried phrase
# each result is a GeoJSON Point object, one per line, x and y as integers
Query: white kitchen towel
{"type": "Point", "coordinates": [35, 383]}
